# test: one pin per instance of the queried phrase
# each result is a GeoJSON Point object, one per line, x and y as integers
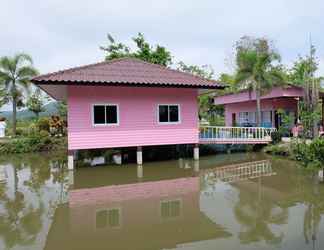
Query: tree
{"type": "Point", "coordinates": [3, 97]}
{"type": "Point", "coordinates": [35, 103]}
{"type": "Point", "coordinates": [15, 75]}
{"type": "Point", "coordinates": [256, 71]}
{"type": "Point", "coordinates": [144, 51]}
{"type": "Point", "coordinates": [303, 74]}
{"type": "Point", "coordinates": [205, 71]}
{"type": "Point", "coordinates": [62, 109]}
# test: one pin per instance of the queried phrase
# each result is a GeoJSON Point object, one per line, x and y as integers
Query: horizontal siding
{"type": "Point", "coordinates": [138, 125]}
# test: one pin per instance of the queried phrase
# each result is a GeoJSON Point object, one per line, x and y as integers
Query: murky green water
{"type": "Point", "coordinates": [238, 201]}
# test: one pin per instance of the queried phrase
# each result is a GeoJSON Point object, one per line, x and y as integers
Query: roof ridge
{"type": "Point", "coordinates": [72, 69]}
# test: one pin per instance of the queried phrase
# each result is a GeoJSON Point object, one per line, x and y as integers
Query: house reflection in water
{"type": "Point", "coordinates": [145, 215]}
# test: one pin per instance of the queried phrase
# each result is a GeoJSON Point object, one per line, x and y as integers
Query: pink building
{"type": "Point", "coordinates": [240, 108]}
{"type": "Point", "coordinates": [127, 103]}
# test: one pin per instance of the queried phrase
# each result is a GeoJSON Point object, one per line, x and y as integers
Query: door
{"type": "Point", "coordinates": [233, 119]}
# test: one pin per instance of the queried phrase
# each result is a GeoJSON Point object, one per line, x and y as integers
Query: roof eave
{"type": "Point", "coordinates": [129, 84]}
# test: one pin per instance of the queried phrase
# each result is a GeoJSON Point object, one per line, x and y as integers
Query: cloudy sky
{"type": "Point", "coordinates": [66, 33]}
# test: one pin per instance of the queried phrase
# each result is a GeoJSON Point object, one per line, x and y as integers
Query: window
{"type": "Point", "coordinates": [170, 209]}
{"type": "Point", "coordinates": [247, 118]}
{"type": "Point", "coordinates": [105, 114]}
{"type": "Point", "coordinates": [169, 113]}
{"type": "Point", "coordinates": [108, 218]}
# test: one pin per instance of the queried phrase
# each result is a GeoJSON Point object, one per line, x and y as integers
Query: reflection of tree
{"type": "Point", "coordinates": [21, 218]}
{"type": "Point", "coordinates": [19, 224]}
{"type": "Point", "coordinates": [256, 214]}
{"type": "Point", "coordinates": [312, 196]}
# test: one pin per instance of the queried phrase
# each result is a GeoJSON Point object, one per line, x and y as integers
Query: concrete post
{"type": "Point", "coordinates": [196, 166]}
{"type": "Point", "coordinates": [196, 152]}
{"type": "Point", "coordinates": [139, 171]}
{"type": "Point", "coordinates": [71, 178]}
{"type": "Point", "coordinates": [139, 156]}
{"type": "Point", "coordinates": [70, 160]}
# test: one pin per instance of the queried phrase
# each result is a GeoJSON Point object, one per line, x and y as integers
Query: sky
{"type": "Point", "coordinates": [59, 34]}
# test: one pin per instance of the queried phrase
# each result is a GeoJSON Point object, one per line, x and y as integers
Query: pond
{"type": "Point", "coordinates": [230, 201]}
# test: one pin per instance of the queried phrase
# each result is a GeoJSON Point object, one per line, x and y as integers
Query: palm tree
{"type": "Point", "coordinates": [255, 69]}
{"type": "Point", "coordinates": [15, 75]}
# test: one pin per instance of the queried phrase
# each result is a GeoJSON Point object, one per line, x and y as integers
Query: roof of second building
{"type": "Point", "coordinates": [126, 71]}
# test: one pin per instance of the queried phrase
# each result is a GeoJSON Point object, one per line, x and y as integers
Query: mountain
{"type": "Point", "coordinates": [50, 109]}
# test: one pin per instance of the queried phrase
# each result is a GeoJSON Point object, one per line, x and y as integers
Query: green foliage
{"type": "Point", "coordinates": [256, 70]}
{"type": "Point", "coordinates": [43, 124]}
{"type": "Point", "coordinates": [286, 121]}
{"type": "Point", "coordinates": [144, 51]}
{"type": "Point", "coordinates": [311, 155]}
{"type": "Point", "coordinates": [303, 68]}
{"type": "Point", "coordinates": [35, 143]}
{"type": "Point", "coordinates": [308, 117]}
{"type": "Point", "coordinates": [35, 103]}
{"type": "Point", "coordinates": [62, 110]}
{"type": "Point", "coordinates": [278, 149]}
{"type": "Point", "coordinates": [276, 137]}
{"type": "Point", "coordinates": [206, 106]}
{"type": "Point", "coordinates": [204, 71]}
{"type": "Point", "coordinates": [15, 75]}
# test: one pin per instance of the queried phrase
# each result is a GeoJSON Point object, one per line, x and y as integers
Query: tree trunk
{"type": "Point", "coordinates": [14, 116]}
{"type": "Point", "coordinates": [258, 108]}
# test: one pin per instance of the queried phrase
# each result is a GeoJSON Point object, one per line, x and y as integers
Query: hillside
{"type": "Point", "coordinates": [50, 109]}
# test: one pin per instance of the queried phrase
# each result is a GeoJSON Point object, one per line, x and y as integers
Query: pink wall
{"type": "Point", "coordinates": [138, 125]}
{"type": "Point", "coordinates": [287, 103]}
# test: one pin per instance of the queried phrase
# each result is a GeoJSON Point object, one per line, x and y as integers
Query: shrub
{"type": "Point", "coordinates": [278, 149]}
{"type": "Point", "coordinates": [276, 137]}
{"type": "Point", "coordinates": [37, 143]}
{"type": "Point", "coordinates": [311, 155]}
{"type": "Point", "coordinates": [43, 124]}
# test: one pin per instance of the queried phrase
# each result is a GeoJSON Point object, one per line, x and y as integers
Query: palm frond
{"type": "Point", "coordinates": [22, 59]}
{"type": "Point", "coordinates": [26, 72]}
{"type": "Point", "coordinates": [7, 65]}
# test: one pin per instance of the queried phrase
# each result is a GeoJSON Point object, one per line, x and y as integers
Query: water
{"type": "Point", "coordinates": [236, 201]}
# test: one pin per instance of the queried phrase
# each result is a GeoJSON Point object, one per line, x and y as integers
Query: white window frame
{"type": "Point", "coordinates": [168, 123]}
{"type": "Point", "coordinates": [105, 124]}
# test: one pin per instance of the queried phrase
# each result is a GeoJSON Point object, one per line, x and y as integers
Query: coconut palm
{"type": "Point", "coordinates": [255, 68]}
{"type": "Point", "coordinates": [15, 75]}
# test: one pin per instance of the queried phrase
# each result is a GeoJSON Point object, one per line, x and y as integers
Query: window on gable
{"type": "Point", "coordinates": [169, 114]}
{"type": "Point", "coordinates": [105, 114]}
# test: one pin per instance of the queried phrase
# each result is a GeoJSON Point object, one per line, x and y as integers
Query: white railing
{"type": "Point", "coordinates": [239, 172]}
{"type": "Point", "coordinates": [235, 134]}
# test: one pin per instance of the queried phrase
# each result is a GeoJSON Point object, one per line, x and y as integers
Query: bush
{"type": "Point", "coordinates": [41, 142]}
{"type": "Point", "coordinates": [278, 149]}
{"type": "Point", "coordinates": [311, 155]}
{"type": "Point", "coordinates": [43, 124]}
{"type": "Point", "coordinates": [276, 137]}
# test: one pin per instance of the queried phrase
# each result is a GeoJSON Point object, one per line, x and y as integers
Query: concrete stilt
{"type": "Point", "coordinates": [139, 156]}
{"type": "Point", "coordinates": [196, 166]}
{"type": "Point", "coordinates": [71, 178]}
{"type": "Point", "coordinates": [70, 160]}
{"type": "Point", "coordinates": [196, 152]}
{"type": "Point", "coordinates": [139, 171]}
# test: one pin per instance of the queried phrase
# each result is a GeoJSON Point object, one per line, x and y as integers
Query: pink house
{"type": "Point", "coordinates": [240, 108]}
{"type": "Point", "coordinates": [127, 103]}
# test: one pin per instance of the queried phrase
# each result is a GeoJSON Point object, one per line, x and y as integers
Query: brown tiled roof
{"type": "Point", "coordinates": [125, 71]}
